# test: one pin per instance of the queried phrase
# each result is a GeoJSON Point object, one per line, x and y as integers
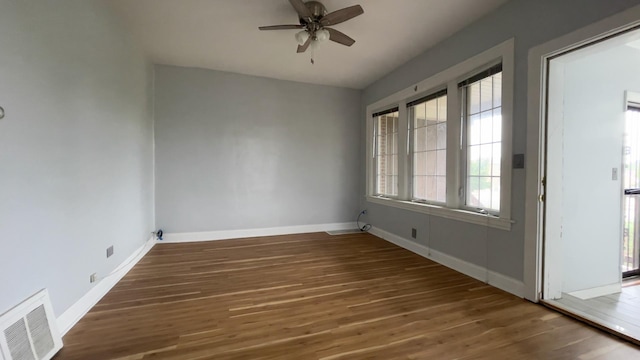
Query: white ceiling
{"type": "Point", "coordinates": [223, 35]}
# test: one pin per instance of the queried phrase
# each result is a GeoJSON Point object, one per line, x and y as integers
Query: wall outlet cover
{"type": "Point", "coordinates": [518, 161]}
{"type": "Point", "coordinates": [110, 251]}
{"type": "Point", "coordinates": [93, 277]}
{"type": "Point", "coordinates": [414, 233]}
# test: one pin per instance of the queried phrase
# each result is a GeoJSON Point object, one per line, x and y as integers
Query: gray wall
{"type": "Point", "coordinates": [76, 149]}
{"type": "Point", "coordinates": [243, 152]}
{"type": "Point", "coordinates": [531, 23]}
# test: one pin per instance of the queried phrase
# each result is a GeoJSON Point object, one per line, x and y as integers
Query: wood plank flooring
{"type": "Point", "coordinates": [316, 296]}
{"type": "Point", "coordinates": [618, 312]}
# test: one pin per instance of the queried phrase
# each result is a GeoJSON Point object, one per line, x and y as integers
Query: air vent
{"type": "Point", "coordinates": [28, 331]}
{"type": "Point", "coordinates": [344, 232]}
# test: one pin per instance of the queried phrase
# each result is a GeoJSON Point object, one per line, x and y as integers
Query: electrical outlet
{"type": "Point", "coordinates": [93, 277]}
{"type": "Point", "coordinates": [364, 212]}
{"type": "Point", "coordinates": [110, 251]}
{"type": "Point", "coordinates": [414, 233]}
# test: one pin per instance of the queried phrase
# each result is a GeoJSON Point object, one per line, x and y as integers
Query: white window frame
{"type": "Point", "coordinates": [374, 119]}
{"type": "Point", "coordinates": [464, 155]}
{"type": "Point", "coordinates": [411, 148]}
{"type": "Point", "coordinates": [449, 78]}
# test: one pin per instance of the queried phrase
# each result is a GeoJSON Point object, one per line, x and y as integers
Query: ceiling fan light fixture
{"type": "Point", "coordinates": [315, 44]}
{"type": "Point", "coordinates": [301, 37]}
{"type": "Point", "coordinates": [322, 35]}
{"type": "Point", "coordinates": [314, 21]}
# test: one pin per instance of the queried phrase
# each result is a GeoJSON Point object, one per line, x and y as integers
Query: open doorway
{"type": "Point", "coordinates": [591, 173]}
{"type": "Point", "coordinates": [631, 194]}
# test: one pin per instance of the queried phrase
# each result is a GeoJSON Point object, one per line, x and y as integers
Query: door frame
{"type": "Point", "coordinates": [631, 101]}
{"type": "Point", "coordinates": [539, 57]}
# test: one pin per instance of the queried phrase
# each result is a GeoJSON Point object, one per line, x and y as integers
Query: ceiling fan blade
{"type": "Point", "coordinates": [339, 37]}
{"type": "Point", "coordinates": [303, 48]}
{"type": "Point", "coordinates": [342, 15]}
{"type": "Point", "coordinates": [302, 9]}
{"type": "Point", "coordinates": [281, 27]}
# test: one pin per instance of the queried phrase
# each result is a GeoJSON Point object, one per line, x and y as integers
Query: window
{"type": "Point", "coordinates": [386, 152]}
{"type": "Point", "coordinates": [440, 147]}
{"type": "Point", "coordinates": [428, 142]}
{"type": "Point", "coordinates": [482, 119]}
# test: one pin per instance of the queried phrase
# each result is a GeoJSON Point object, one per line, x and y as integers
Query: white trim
{"type": "Point", "coordinates": [477, 272]}
{"type": "Point", "coordinates": [461, 266]}
{"type": "Point", "coordinates": [597, 291]}
{"type": "Point", "coordinates": [153, 145]}
{"type": "Point", "coordinates": [449, 78]}
{"type": "Point", "coordinates": [506, 283]}
{"type": "Point", "coordinates": [246, 233]}
{"type": "Point", "coordinates": [81, 307]}
{"type": "Point", "coordinates": [631, 98]}
{"type": "Point", "coordinates": [535, 128]}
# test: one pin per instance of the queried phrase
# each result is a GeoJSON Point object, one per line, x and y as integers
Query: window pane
{"type": "Point", "coordinates": [497, 90]}
{"type": "Point", "coordinates": [392, 185]}
{"type": "Point", "coordinates": [441, 165]}
{"type": "Point", "coordinates": [442, 109]}
{"type": "Point", "coordinates": [485, 192]}
{"type": "Point", "coordinates": [473, 191]}
{"type": "Point", "coordinates": [473, 98]}
{"type": "Point", "coordinates": [432, 111]}
{"type": "Point", "coordinates": [496, 160]}
{"type": "Point", "coordinates": [429, 149]}
{"type": "Point", "coordinates": [386, 154]}
{"type": "Point", "coordinates": [497, 125]}
{"type": "Point", "coordinates": [432, 134]}
{"type": "Point", "coordinates": [486, 94]}
{"type": "Point", "coordinates": [483, 123]}
{"type": "Point", "coordinates": [420, 139]}
{"type": "Point", "coordinates": [474, 129]}
{"type": "Point", "coordinates": [432, 188]}
{"type": "Point", "coordinates": [420, 117]}
{"type": "Point", "coordinates": [431, 163]}
{"type": "Point", "coordinates": [442, 188]}
{"type": "Point", "coordinates": [486, 152]}
{"type": "Point", "coordinates": [442, 136]}
{"type": "Point", "coordinates": [486, 127]}
{"type": "Point", "coordinates": [419, 186]}
{"type": "Point", "coordinates": [473, 161]}
{"type": "Point", "coordinates": [495, 193]}
{"type": "Point", "coordinates": [420, 163]}
{"type": "Point", "coordinates": [394, 144]}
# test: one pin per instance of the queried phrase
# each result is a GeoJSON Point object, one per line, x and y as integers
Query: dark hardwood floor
{"type": "Point", "coordinates": [316, 296]}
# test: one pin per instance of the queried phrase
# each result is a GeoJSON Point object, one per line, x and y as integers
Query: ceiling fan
{"type": "Point", "coordinates": [314, 20]}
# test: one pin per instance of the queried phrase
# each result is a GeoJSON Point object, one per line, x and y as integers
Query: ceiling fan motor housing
{"type": "Point", "coordinates": [315, 22]}
{"type": "Point", "coordinates": [318, 10]}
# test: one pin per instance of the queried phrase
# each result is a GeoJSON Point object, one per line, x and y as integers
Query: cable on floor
{"type": "Point", "coordinates": [364, 227]}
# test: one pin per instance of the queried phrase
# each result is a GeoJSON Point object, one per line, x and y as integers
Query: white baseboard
{"type": "Point", "coordinates": [477, 272]}
{"type": "Point", "coordinates": [81, 307]}
{"type": "Point", "coordinates": [597, 291]}
{"type": "Point", "coordinates": [246, 233]}
{"type": "Point", "coordinates": [506, 283]}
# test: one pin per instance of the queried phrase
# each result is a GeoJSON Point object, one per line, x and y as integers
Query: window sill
{"type": "Point", "coordinates": [447, 213]}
